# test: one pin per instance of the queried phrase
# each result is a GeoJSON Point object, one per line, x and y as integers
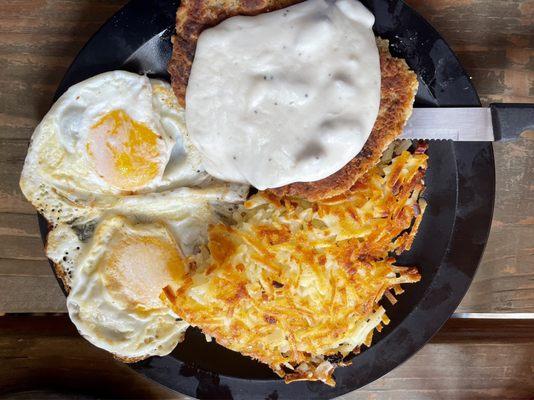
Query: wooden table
{"type": "Point", "coordinates": [41, 354]}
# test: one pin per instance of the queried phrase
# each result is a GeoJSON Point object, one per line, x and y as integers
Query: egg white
{"type": "Point", "coordinates": [113, 318]}
{"type": "Point", "coordinates": [59, 175]}
{"type": "Point", "coordinates": [86, 211]}
{"type": "Point", "coordinates": [183, 214]}
{"type": "Point", "coordinates": [186, 212]}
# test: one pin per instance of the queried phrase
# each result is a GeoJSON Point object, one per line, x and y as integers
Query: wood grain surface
{"type": "Point", "coordinates": [493, 38]}
{"type": "Point", "coordinates": [38, 40]}
{"type": "Point", "coordinates": [45, 357]}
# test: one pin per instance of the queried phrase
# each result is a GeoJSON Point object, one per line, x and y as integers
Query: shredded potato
{"type": "Point", "coordinates": [296, 284]}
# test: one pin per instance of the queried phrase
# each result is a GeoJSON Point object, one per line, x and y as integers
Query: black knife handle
{"type": "Point", "coordinates": [511, 119]}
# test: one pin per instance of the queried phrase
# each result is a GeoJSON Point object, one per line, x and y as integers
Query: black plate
{"type": "Point", "coordinates": [448, 247]}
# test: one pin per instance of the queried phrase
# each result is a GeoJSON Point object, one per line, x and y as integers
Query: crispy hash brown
{"type": "Point", "coordinates": [399, 86]}
{"type": "Point", "coordinates": [296, 284]}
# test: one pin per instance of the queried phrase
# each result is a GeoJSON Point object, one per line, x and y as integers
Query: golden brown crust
{"type": "Point", "coordinates": [399, 86]}
{"type": "Point", "coordinates": [129, 360]}
{"type": "Point", "coordinates": [297, 285]}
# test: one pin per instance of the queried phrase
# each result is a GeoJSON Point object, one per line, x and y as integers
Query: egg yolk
{"type": "Point", "coordinates": [137, 268]}
{"type": "Point", "coordinates": [124, 152]}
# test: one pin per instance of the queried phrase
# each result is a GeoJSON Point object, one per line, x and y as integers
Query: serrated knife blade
{"type": "Point", "coordinates": [458, 124]}
{"type": "Point", "coordinates": [470, 124]}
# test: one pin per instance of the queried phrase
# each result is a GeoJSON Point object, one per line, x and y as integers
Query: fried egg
{"type": "Point", "coordinates": [185, 212]}
{"type": "Point", "coordinates": [112, 169]}
{"type": "Point", "coordinates": [116, 144]}
{"type": "Point", "coordinates": [115, 266]}
{"type": "Point", "coordinates": [114, 300]}
{"type": "Point", "coordinates": [114, 135]}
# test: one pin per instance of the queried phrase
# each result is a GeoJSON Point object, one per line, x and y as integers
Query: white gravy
{"type": "Point", "coordinates": [287, 96]}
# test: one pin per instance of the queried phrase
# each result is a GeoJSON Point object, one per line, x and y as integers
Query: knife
{"type": "Point", "coordinates": [498, 122]}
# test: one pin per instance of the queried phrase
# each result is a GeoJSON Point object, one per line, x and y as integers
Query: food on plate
{"type": "Point", "coordinates": [112, 265]}
{"type": "Point", "coordinates": [187, 213]}
{"type": "Point", "coordinates": [287, 96]}
{"type": "Point", "coordinates": [114, 301]}
{"type": "Point", "coordinates": [150, 227]}
{"type": "Point", "coordinates": [297, 284]}
{"type": "Point", "coordinates": [98, 140]}
{"type": "Point", "coordinates": [398, 88]}
{"type": "Point", "coordinates": [115, 146]}
{"type": "Point", "coordinates": [113, 135]}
